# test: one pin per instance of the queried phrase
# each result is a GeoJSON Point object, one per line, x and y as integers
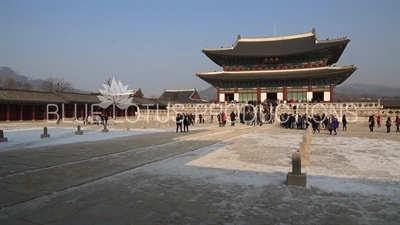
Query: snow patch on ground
{"type": "Point", "coordinates": [23, 138]}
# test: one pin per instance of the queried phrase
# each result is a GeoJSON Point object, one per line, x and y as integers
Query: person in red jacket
{"type": "Point", "coordinates": [397, 121]}
{"type": "Point", "coordinates": [378, 120]}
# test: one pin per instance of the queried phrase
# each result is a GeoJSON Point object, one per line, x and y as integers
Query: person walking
{"type": "Point", "coordinates": [186, 123]}
{"type": "Point", "coordinates": [388, 125]}
{"type": "Point", "coordinates": [397, 122]}
{"type": "Point", "coordinates": [344, 122]}
{"type": "Point", "coordinates": [328, 126]}
{"type": "Point", "coordinates": [371, 122]}
{"type": "Point", "coordinates": [233, 118]}
{"type": "Point", "coordinates": [335, 125]}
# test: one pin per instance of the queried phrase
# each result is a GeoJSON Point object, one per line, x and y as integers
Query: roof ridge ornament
{"type": "Point", "coordinates": [314, 31]}
{"type": "Point", "coordinates": [239, 37]}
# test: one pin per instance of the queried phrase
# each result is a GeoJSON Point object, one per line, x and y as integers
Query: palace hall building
{"type": "Point", "coordinates": [294, 67]}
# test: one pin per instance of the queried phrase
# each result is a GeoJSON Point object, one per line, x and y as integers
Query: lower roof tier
{"type": "Point", "coordinates": [313, 76]}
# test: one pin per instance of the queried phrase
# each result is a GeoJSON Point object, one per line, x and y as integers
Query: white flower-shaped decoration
{"type": "Point", "coordinates": [116, 94]}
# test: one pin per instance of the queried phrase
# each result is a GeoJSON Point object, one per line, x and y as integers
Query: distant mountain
{"type": "Point", "coordinates": [356, 89]}
{"type": "Point", "coordinates": [208, 94]}
{"type": "Point", "coordinates": [6, 72]}
{"type": "Point", "coordinates": [367, 89]}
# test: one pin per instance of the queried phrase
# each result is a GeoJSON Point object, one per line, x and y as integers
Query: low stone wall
{"type": "Point", "coordinates": [356, 112]}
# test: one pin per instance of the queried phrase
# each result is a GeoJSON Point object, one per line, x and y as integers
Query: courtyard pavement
{"type": "Point", "coordinates": [210, 175]}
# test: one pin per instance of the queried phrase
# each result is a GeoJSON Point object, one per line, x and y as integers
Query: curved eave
{"type": "Point", "coordinates": [276, 48]}
{"type": "Point", "coordinates": [337, 46]}
{"type": "Point", "coordinates": [344, 72]}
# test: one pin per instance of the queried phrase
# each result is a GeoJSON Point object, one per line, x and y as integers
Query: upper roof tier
{"type": "Point", "coordinates": [277, 46]}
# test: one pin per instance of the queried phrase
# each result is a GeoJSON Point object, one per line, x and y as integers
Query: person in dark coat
{"type": "Point", "coordinates": [388, 124]}
{"type": "Point", "coordinates": [344, 122]}
{"type": "Point", "coordinates": [186, 123]}
{"type": "Point", "coordinates": [106, 119]}
{"type": "Point", "coordinates": [233, 118]}
{"type": "Point", "coordinates": [329, 126]}
{"type": "Point", "coordinates": [179, 120]}
{"type": "Point", "coordinates": [371, 122]}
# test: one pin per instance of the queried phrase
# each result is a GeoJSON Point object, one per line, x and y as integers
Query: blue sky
{"type": "Point", "coordinates": [156, 45]}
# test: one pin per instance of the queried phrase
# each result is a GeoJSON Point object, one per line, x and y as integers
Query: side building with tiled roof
{"type": "Point", "coordinates": [22, 105]}
{"type": "Point", "coordinates": [293, 67]}
{"type": "Point", "coordinates": [181, 96]}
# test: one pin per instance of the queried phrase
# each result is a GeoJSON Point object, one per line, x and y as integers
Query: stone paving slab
{"type": "Point", "coordinates": [39, 182]}
{"type": "Point", "coordinates": [161, 193]}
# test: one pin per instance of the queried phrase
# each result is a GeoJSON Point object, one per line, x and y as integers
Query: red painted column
{"type": "Point", "coordinates": [331, 93]}
{"type": "Point", "coordinates": [33, 113]}
{"type": "Point", "coordinates": [217, 94]}
{"type": "Point", "coordinates": [44, 112]}
{"type": "Point", "coordinates": [8, 112]}
{"type": "Point", "coordinates": [309, 88]}
{"type": "Point", "coordinates": [285, 93]}
{"type": "Point", "coordinates": [258, 95]}
{"type": "Point", "coordinates": [21, 113]}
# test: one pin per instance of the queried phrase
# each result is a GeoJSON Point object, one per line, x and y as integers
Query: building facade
{"type": "Point", "coordinates": [295, 67]}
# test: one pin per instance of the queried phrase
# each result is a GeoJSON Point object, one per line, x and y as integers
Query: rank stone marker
{"type": "Point", "coordinates": [2, 138]}
{"type": "Point", "coordinates": [78, 132]}
{"type": "Point", "coordinates": [104, 128]}
{"type": "Point", "coordinates": [296, 177]}
{"type": "Point", "coordinates": [45, 134]}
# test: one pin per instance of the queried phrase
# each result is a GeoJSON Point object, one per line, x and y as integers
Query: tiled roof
{"type": "Point", "coordinates": [142, 101]}
{"type": "Point", "coordinates": [344, 71]}
{"type": "Point", "coordinates": [180, 96]}
{"type": "Point", "coordinates": [79, 97]}
{"type": "Point", "coordinates": [29, 96]}
{"type": "Point", "coordinates": [275, 46]}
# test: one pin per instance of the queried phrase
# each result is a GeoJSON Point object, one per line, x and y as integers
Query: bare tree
{"type": "Point", "coordinates": [55, 84]}
{"type": "Point", "coordinates": [24, 86]}
{"type": "Point", "coordinates": [10, 83]}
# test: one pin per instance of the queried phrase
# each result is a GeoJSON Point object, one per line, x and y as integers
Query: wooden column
{"type": "Point", "coordinates": [258, 94]}
{"type": "Point", "coordinates": [331, 93]}
{"type": "Point", "coordinates": [285, 93]}
{"type": "Point", "coordinates": [44, 112]}
{"type": "Point", "coordinates": [217, 94]}
{"type": "Point", "coordinates": [33, 113]}
{"type": "Point", "coordinates": [21, 112]}
{"type": "Point", "coordinates": [309, 88]}
{"type": "Point", "coordinates": [8, 113]}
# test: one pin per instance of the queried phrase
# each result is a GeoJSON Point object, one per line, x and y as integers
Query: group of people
{"type": "Point", "coordinates": [388, 124]}
{"type": "Point", "coordinates": [317, 122]}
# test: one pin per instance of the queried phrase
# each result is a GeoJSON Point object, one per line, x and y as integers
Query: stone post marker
{"type": "Point", "coordinates": [45, 134]}
{"type": "Point", "coordinates": [304, 148]}
{"type": "Point", "coordinates": [143, 126]}
{"type": "Point", "coordinates": [307, 139]}
{"type": "Point", "coordinates": [2, 138]}
{"type": "Point", "coordinates": [126, 125]}
{"type": "Point", "coordinates": [296, 177]}
{"type": "Point", "coordinates": [305, 158]}
{"type": "Point", "coordinates": [104, 128]}
{"type": "Point", "coordinates": [78, 132]}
